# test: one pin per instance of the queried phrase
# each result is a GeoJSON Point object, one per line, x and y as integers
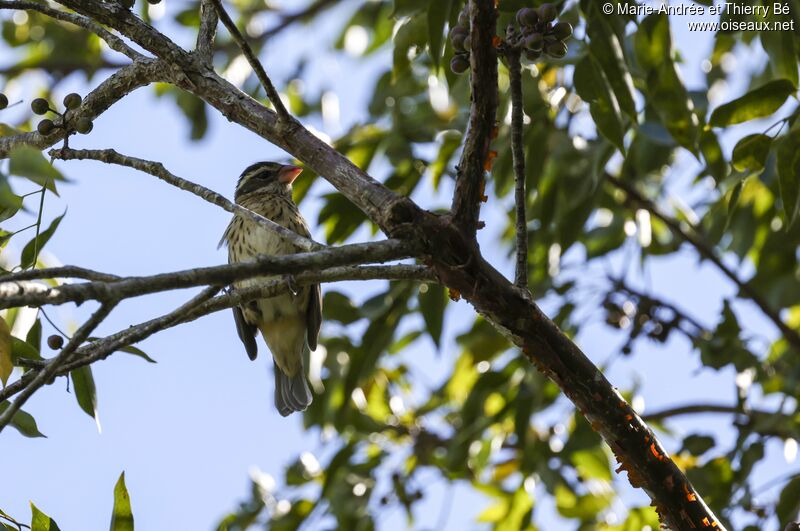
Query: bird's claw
{"type": "Point", "coordinates": [291, 284]}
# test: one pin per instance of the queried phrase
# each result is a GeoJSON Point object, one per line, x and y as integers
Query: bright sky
{"type": "Point", "coordinates": [188, 430]}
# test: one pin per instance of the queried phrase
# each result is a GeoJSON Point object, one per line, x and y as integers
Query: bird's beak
{"type": "Point", "coordinates": [287, 174]}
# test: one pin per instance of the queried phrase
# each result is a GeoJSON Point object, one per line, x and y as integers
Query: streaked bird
{"type": "Point", "coordinates": [288, 323]}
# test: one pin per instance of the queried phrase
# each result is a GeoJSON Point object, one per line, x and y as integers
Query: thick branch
{"type": "Point", "coordinates": [475, 159]}
{"type": "Point", "coordinates": [266, 82]}
{"type": "Point", "coordinates": [518, 154]}
{"type": "Point", "coordinates": [114, 42]}
{"type": "Point", "coordinates": [138, 74]}
{"type": "Point", "coordinates": [707, 251]}
{"type": "Point", "coordinates": [51, 369]}
{"type": "Point", "coordinates": [59, 272]}
{"type": "Point", "coordinates": [24, 293]}
{"type": "Point", "coordinates": [208, 31]}
{"type": "Point", "coordinates": [109, 156]}
{"type": "Point", "coordinates": [201, 305]}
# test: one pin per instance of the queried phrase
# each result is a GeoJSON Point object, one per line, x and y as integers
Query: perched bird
{"type": "Point", "coordinates": [289, 323]}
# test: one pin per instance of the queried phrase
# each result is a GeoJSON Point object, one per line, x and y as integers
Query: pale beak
{"type": "Point", "coordinates": [287, 174]}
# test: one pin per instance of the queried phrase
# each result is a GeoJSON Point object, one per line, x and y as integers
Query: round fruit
{"type": "Point", "coordinates": [153, 1]}
{"type": "Point", "coordinates": [127, 4]}
{"type": "Point", "coordinates": [72, 101]}
{"type": "Point", "coordinates": [534, 42]}
{"type": "Point", "coordinates": [457, 36]}
{"type": "Point", "coordinates": [527, 17]}
{"type": "Point", "coordinates": [55, 342]}
{"type": "Point", "coordinates": [46, 126]}
{"type": "Point", "coordinates": [459, 64]}
{"type": "Point", "coordinates": [562, 30]}
{"type": "Point", "coordinates": [463, 18]}
{"type": "Point", "coordinates": [548, 12]}
{"type": "Point", "coordinates": [40, 106]}
{"type": "Point", "coordinates": [84, 126]}
{"type": "Point", "coordinates": [556, 49]}
{"type": "Point", "coordinates": [3, 101]}
{"type": "Point", "coordinates": [531, 55]}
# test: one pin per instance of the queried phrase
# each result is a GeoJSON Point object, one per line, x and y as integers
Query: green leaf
{"type": "Point", "coordinates": [122, 517]}
{"type": "Point", "coordinates": [449, 142]}
{"type": "Point", "coordinates": [697, 445]}
{"type": "Point", "coordinates": [23, 422]}
{"type": "Point", "coordinates": [338, 307]}
{"type": "Point", "coordinates": [438, 13]}
{"type": "Point", "coordinates": [413, 34]}
{"type": "Point", "coordinates": [85, 391]}
{"type": "Point", "coordinates": [34, 335]}
{"type": "Point", "coordinates": [750, 153]}
{"type": "Point", "coordinates": [757, 103]}
{"type": "Point", "coordinates": [29, 162]}
{"type": "Point", "coordinates": [788, 167]}
{"type": "Point", "coordinates": [432, 302]}
{"type": "Point", "coordinates": [34, 247]}
{"type": "Point", "coordinates": [10, 203]}
{"type": "Point", "coordinates": [6, 358]}
{"type": "Point", "coordinates": [733, 202]}
{"type": "Point", "coordinates": [22, 349]}
{"type": "Point", "coordinates": [593, 87]}
{"type": "Point", "coordinates": [42, 522]}
{"type": "Point", "coordinates": [780, 46]}
{"type": "Point", "coordinates": [592, 463]}
{"type": "Point", "coordinates": [789, 501]}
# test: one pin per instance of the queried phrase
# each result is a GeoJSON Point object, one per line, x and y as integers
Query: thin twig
{"type": "Point", "coordinates": [286, 20]}
{"type": "Point", "coordinates": [156, 169]}
{"type": "Point", "coordinates": [28, 293]}
{"type": "Point", "coordinates": [44, 376]}
{"type": "Point", "coordinates": [114, 42]}
{"type": "Point", "coordinates": [707, 250]}
{"type": "Point", "coordinates": [272, 93]}
{"type": "Point", "coordinates": [59, 272]}
{"type": "Point", "coordinates": [518, 155]}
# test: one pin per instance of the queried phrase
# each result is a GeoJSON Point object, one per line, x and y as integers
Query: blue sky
{"type": "Point", "coordinates": [188, 430]}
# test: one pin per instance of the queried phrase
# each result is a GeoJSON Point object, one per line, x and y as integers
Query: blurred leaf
{"type": "Point", "coordinates": [593, 87]}
{"type": "Point", "coordinates": [23, 422]}
{"type": "Point", "coordinates": [758, 103]}
{"type": "Point", "coordinates": [789, 502]}
{"type": "Point", "coordinates": [750, 153]}
{"type": "Point", "coordinates": [438, 14]}
{"type": "Point", "coordinates": [698, 444]}
{"type": "Point", "coordinates": [122, 517]}
{"type": "Point", "coordinates": [36, 244]}
{"type": "Point", "coordinates": [788, 171]}
{"type": "Point", "coordinates": [338, 307]}
{"type": "Point", "coordinates": [432, 302]}
{"type": "Point", "coordinates": [449, 143]}
{"type": "Point", "coordinates": [6, 361]}
{"type": "Point", "coordinates": [29, 162]}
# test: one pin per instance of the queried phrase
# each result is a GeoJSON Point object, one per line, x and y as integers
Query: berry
{"type": "Point", "coordinates": [40, 106]}
{"type": "Point", "coordinates": [72, 101]}
{"type": "Point", "coordinates": [127, 4]}
{"type": "Point", "coordinates": [457, 36]}
{"type": "Point", "coordinates": [562, 30]}
{"type": "Point", "coordinates": [55, 342]}
{"type": "Point", "coordinates": [463, 18]}
{"type": "Point", "coordinates": [534, 41]}
{"type": "Point", "coordinates": [3, 101]}
{"type": "Point", "coordinates": [46, 126]}
{"type": "Point", "coordinates": [153, 1]}
{"type": "Point", "coordinates": [532, 55]}
{"type": "Point", "coordinates": [84, 126]}
{"type": "Point", "coordinates": [527, 17]}
{"type": "Point", "coordinates": [556, 49]}
{"type": "Point", "coordinates": [548, 12]}
{"type": "Point", "coordinates": [459, 64]}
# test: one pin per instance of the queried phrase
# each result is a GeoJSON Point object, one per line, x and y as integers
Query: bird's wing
{"type": "Point", "coordinates": [314, 316]}
{"type": "Point", "coordinates": [247, 333]}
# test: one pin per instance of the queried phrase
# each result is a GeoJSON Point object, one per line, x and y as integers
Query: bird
{"type": "Point", "coordinates": [290, 322]}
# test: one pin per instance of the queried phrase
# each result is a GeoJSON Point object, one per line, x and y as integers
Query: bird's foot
{"type": "Point", "coordinates": [291, 283]}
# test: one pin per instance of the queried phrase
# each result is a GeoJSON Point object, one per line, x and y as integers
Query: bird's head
{"type": "Point", "coordinates": [267, 177]}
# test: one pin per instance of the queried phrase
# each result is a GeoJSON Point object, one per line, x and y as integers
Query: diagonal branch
{"type": "Point", "coordinates": [518, 154]}
{"type": "Point", "coordinates": [109, 156]}
{"type": "Point", "coordinates": [114, 42]}
{"type": "Point", "coordinates": [266, 82]}
{"type": "Point", "coordinates": [59, 272]}
{"type": "Point", "coordinates": [25, 293]}
{"type": "Point", "coordinates": [309, 11]}
{"type": "Point", "coordinates": [475, 158]}
{"type": "Point", "coordinates": [707, 251]}
{"type": "Point", "coordinates": [138, 74]}
{"type": "Point", "coordinates": [203, 304]}
{"type": "Point", "coordinates": [63, 357]}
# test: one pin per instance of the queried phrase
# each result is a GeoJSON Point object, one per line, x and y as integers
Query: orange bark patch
{"type": "Point", "coordinates": [487, 166]}
{"type": "Point", "coordinates": [484, 197]}
{"type": "Point", "coordinates": [455, 295]}
{"type": "Point", "coordinates": [496, 41]}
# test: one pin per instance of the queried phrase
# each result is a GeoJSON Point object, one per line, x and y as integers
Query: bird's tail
{"type": "Point", "coordinates": [291, 392]}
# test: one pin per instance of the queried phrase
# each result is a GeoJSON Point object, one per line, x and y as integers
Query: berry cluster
{"type": "Point", "coordinates": [539, 35]}
{"type": "Point", "coordinates": [72, 101]}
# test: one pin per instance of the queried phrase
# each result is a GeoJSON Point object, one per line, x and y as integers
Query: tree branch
{"type": "Point", "coordinates": [114, 42]}
{"type": "Point", "coordinates": [207, 32]}
{"type": "Point", "coordinates": [203, 304]}
{"type": "Point", "coordinates": [44, 376]}
{"type": "Point", "coordinates": [706, 250]}
{"type": "Point", "coordinates": [24, 293]}
{"type": "Point", "coordinates": [475, 159]}
{"type": "Point", "coordinates": [311, 10]}
{"type": "Point", "coordinates": [266, 82]}
{"type": "Point", "coordinates": [518, 155]}
{"type": "Point", "coordinates": [138, 74]}
{"type": "Point", "coordinates": [109, 156]}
